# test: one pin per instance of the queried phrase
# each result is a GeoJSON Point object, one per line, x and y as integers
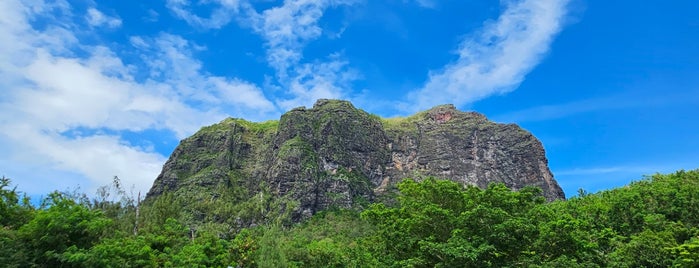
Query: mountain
{"type": "Point", "coordinates": [335, 155]}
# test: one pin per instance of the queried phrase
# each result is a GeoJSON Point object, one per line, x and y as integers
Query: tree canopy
{"type": "Point", "coordinates": [653, 222]}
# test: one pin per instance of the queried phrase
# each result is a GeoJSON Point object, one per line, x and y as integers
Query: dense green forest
{"type": "Point", "coordinates": [653, 222]}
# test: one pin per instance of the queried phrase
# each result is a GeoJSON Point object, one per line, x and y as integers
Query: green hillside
{"type": "Point", "coordinates": [653, 222]}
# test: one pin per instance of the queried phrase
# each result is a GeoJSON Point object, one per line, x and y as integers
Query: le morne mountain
{"type": "Point", "coordinates": [335, 155]}
{"type": "Point", "coordinates": [334, 186]}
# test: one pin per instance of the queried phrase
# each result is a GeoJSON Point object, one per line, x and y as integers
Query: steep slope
{"type": "Point", "coordinates": [466, 147]}
{"type": "Point", "coordinates": [336, 155]}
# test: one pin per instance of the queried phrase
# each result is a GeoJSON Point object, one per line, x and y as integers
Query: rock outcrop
{"type": "Point", "coordinates": [334, 155]}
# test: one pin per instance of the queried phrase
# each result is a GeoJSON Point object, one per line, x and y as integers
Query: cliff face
{"type": "Point", "coordinates": [467, 148]}
{"type": "Point", "coordinates": [337, 155]}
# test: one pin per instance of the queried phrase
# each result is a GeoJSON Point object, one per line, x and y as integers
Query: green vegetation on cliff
{"type": "Point", "coordinates": [233, 174]}
{"type": "Point", "coordinates": [653, 222]}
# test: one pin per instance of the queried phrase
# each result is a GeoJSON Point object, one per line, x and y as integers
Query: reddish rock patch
{"type": "Point", "coordinates": [443, 117]}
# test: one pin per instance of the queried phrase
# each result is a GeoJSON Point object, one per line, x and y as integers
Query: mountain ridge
{"type": "Point", "coordinates": [335, 155]}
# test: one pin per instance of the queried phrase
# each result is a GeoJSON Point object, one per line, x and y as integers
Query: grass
{"type": "Point", "coordinates": [228, 123]}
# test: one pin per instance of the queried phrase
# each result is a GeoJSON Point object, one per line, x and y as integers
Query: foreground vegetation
{"type": "Point", "coordinates": [433, 223]}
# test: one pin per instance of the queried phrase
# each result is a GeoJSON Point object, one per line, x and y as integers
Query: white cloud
{"type": "Point", "coordinates": [138, 42]}
{"type": "Point", "coordinates": [321, 80]}
{"type": "Point", "coordinates": [49, 91]}
{"type": "Point", "coordinates": [97, 157]}
{"type": "Point", "coordinates": [96, 18]}
{"type": "Point", "coordinates": [152, 16]}
{"type": "Point", "coordinates": [170, 60]}
{"type": "Point", "coordinates": [497, 59]}
{"type": "Point", "coordinates": [287, 29]}
{"type": "Point", "coordinates": [219, 16]}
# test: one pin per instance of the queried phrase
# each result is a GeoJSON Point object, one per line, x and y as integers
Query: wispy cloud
{"type": "Point", "coordinates": [96, 18]}
{"type": "Point", "coordinates": [221, 14]}
{"type": "Point", "coordinates": [287, 29]}
{"type": "Point", "coordinates": [170, 61]}
{"type": "Point", "coordinates": [603, 170]}
{"type": "Point", "coordinates": [312, 81]}
{"type": "Point", "coordinates": [629, 100]}
{"type": "Point", "coordinates": [54, 83]}
{"type": "Point", "coordinates": [96, 158]}
{"type": "Point", "coordinates": [48, 91]}
{"type": "Point", "coordinates": [556, 111]}
{"type": "Point", "coordinates": [597, 178]}
{"type": "Point", "coordinates": [152, 16]}
{"type": "Point", "coordinates": [497, 59]}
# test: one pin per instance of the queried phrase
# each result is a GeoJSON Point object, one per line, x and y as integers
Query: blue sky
{"type": "Point", "coordinates": [94, 89]}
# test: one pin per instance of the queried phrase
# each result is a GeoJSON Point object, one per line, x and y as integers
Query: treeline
{"type": "Point", "coordinates": [653, 222]}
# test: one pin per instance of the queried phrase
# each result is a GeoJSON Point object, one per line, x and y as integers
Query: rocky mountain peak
{"type": "Point", "coordinates": [333, 104]}
{"type": "Point", "coordinates": [335, 155]}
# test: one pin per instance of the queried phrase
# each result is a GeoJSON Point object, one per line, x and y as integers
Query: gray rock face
{"type": "Point", "coordinates": [331, 155]}
{"type": "Point", "coordinates": [466, 147]}
{"type": "Point", "coordinates": [334, 155]}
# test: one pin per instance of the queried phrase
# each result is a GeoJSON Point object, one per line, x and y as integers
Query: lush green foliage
{"type": "Point", "coordinates": [432, 223]}
{"type": "Point", "coordinates": [440, 223]}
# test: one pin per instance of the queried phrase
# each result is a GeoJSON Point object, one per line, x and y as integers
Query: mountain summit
{"type": "Point", "coordinates": [335, 155]}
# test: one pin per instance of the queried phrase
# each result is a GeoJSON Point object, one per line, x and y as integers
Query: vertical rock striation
{"type": "Point", "coordinates": [334, 155]}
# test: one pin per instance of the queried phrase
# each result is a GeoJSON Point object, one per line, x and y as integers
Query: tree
{"type": "Point", "coordinates": [687, 254]}
{"type": "Point", "coordinates": [15, 210]}
{"type": "Point", "coordinates": [440, 223]}
{"type": "Point", "coordinates": [62, 225]}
